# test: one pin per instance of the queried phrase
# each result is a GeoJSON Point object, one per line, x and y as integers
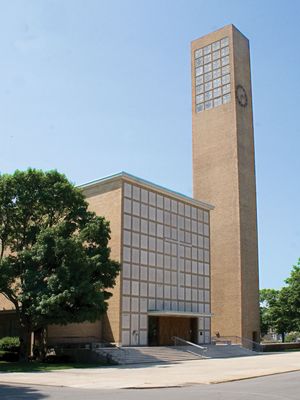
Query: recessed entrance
{"type": "Point", "coordinates": [161, 329]}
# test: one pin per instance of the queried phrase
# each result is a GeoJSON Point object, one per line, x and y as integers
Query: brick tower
{"type": "Point", "coordinates": [224, 175]}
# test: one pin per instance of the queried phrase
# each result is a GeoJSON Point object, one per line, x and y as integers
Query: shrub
{"type": "Point", "coordinates": [57, 359]}
{"type": "Point", "coordinates": [9, 357]}
{"type": "Point", "coordinates": [10, 344]}
{"type": "Point", "coordinates": [292, 337]}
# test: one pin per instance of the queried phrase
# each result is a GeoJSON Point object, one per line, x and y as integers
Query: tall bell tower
{"type": "Point", "coordinates": [224, 175]}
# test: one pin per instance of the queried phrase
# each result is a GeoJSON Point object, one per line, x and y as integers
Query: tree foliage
{"type": "Point", "coordinates": [293, 283]}
{"type": "Point", "coordinates": [55, 264]}
{"type": "Point", "coordinates": [280, 309]}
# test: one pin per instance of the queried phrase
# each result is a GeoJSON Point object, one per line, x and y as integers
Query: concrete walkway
{"type": "Point", "coordinates": [162, 375]}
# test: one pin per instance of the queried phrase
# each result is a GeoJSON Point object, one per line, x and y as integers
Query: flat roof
{"type": "Point", "coordinates": [134, 179]}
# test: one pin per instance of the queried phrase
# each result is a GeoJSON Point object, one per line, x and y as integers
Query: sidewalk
{"type": "Point", "coordinates": [163, 375]}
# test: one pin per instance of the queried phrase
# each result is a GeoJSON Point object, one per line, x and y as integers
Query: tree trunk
{"type": "Point", "coordinates": [41, 344]}
{"type": "Point", "coordinates": [283, 336]}
{"type": "Point", "coordinates": [25, 342]}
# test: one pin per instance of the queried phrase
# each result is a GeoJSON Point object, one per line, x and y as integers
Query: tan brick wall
{"type": "Point", "coordinates": [223, 175]}
{"type": "Point", "coordinates": [5, 304]}
{"type": "Point", "coordinates": [9, 324]}
{"type": "Point", "coordinates": [105, 200]}
{"type": "Point", "coordinates": [90, 331]}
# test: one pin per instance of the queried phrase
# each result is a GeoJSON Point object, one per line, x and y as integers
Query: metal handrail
{"type": "Point", "coordinates": [186, 341]}
{"type": "Point", "coordinates": [194, 345]}
{"type": "Point", "coordinates": [124, 352]}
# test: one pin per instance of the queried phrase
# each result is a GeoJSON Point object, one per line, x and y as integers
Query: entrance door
{"type": "Point", "coordinates": [162, 329]}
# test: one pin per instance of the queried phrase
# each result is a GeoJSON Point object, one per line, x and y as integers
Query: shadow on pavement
{"type": "Point", "coordinates": [9, 392]}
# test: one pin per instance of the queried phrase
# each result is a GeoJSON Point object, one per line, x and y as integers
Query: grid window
{"type": "Point", "coordinates": [136, 193]}
{"type": "Point", "coordinates": [207, 77]}
{"type": "Point", "coordinates": [199, 71]}
{"type": "Point", "coordinates": [199, 98]}
{"type": "Point", "coordinates": [225, 79]}
{"type": "Point", "coordinates": [199, 107]}
{"type": "Point", "coordinates": [216, 73]}
{"type": "Point", "coordinates": [199, 80]}
{"type": "Point", "coordinates": [225, 61]}
{"type": "Point", "coordinates": [165, 253]}
{"type": "Point", "coordinates": [216, 45]}
{"type": "Point", "coordinates": [199, 62]}
{"type": "Point", "coordinates": [225, 51]}
{"type": "Point", "coordinates": [212, 62]}
{"type": "Point", "coordinates": [216, 55]}
{"type": "Point", "coordinates": [217, 92]}
{"type": "Point", "coordinates": [226, 89]}
{"type": "Point", "coordinates": [127, 190]}
{"type": "Point", "coordinates": [208, 95]}
{"type": "Point", "coordinates": [207, 49]}
{"type": "Point", "coordinates": [199, 89]}
{"type": "Point", "coordinates": [226, 70]}
{"type": "Point", "coordinates": [144, 195]}
{"type": "Point", "coordinates": [208, 105]}
{"type": "Point", "coordinates": [216, 64]}
{"type": "Point", "coordinates": [207, 59]}
{"type": "Point", "coordinates": [218, 101]}
{"type": "Point", "coordinates": [217, 82]}
{"type": "Point", "coordinates": [208, 86]}
{"type": "Point", "coordinates": [207, 68]}
{"type": "Point", "coordinates": [224, 42]}
{"type": "Point", "coordinates": [198, 53]}
{"type": "Point", "coordinates": [135, 208]}
{"type": "Point", "coordinates": [226, 98]}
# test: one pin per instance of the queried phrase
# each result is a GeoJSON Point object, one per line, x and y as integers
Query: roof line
{"type": "Point", "coordinates": [134, 178]}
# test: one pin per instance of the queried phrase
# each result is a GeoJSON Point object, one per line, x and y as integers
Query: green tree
{"type": "Point", "coordinates": [55, 264]}
{"type": "Point", "coordinates": [293, 299]}
{"type": "Point", "coordinates": [275, 311]}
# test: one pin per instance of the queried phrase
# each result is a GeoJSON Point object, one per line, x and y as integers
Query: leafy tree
{"type": "Point", "coordinates": [55, 264]}
{"type": "Point", "coordinates": [275, 311]}
{"type": "Point", "coordinates": [293, 300]}
{"type": "Point", "coordinates": [266, 298]}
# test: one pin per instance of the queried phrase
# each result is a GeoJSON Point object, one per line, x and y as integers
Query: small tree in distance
{"type": "Point", "coordinates": [280, 309]}
{"type": "Point", "coordinates": [55, 264]}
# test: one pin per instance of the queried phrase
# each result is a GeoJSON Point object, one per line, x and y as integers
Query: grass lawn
{"type": "Point", "coordinates": [291, 349]}
{"type": "Point", "coordinates": [37, 366]}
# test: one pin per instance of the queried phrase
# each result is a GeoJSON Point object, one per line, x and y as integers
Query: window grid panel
{"type": "Point", "coordinates": [212, 62]}
{"type": "Point", "coordinates": [162, 249]}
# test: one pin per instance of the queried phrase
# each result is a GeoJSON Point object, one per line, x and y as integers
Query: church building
{"type": "Point", "coordinates": [189, 265]}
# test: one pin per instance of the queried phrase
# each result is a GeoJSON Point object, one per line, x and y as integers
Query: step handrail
{"type": "Point", "coordinates": [193, 345]}
{"type": "Point", "coordinates": [189, 343]}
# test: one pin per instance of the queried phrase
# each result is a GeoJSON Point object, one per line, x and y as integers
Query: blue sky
{"type": "Point", "coordinates": [95, 87]}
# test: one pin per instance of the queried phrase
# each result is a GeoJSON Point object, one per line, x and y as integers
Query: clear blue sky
{"type": "Point", "coordinates": [95, 87]}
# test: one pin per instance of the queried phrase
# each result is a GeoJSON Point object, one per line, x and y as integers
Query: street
{"type": "Point", "coordinates": [278, 387]}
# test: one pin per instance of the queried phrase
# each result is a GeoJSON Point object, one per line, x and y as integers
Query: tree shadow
{"type": "Point", "coordinates": [10, 392]}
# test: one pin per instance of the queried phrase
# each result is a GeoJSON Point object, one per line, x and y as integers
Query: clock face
{"type": "Point", "coordinates": [241, 96]}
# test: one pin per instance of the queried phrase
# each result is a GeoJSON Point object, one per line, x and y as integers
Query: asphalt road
{"type": "Point", "coordinates": [276, 387]}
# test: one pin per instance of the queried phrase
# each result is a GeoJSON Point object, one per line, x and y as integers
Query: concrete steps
{"type": "Point", "coordinates": [157, 354]}
{"type": "Point", "coordinates": [170, 354]}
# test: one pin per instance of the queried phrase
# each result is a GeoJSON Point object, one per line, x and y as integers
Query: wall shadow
{"type": "Point", "coordinates": [10, 392]}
